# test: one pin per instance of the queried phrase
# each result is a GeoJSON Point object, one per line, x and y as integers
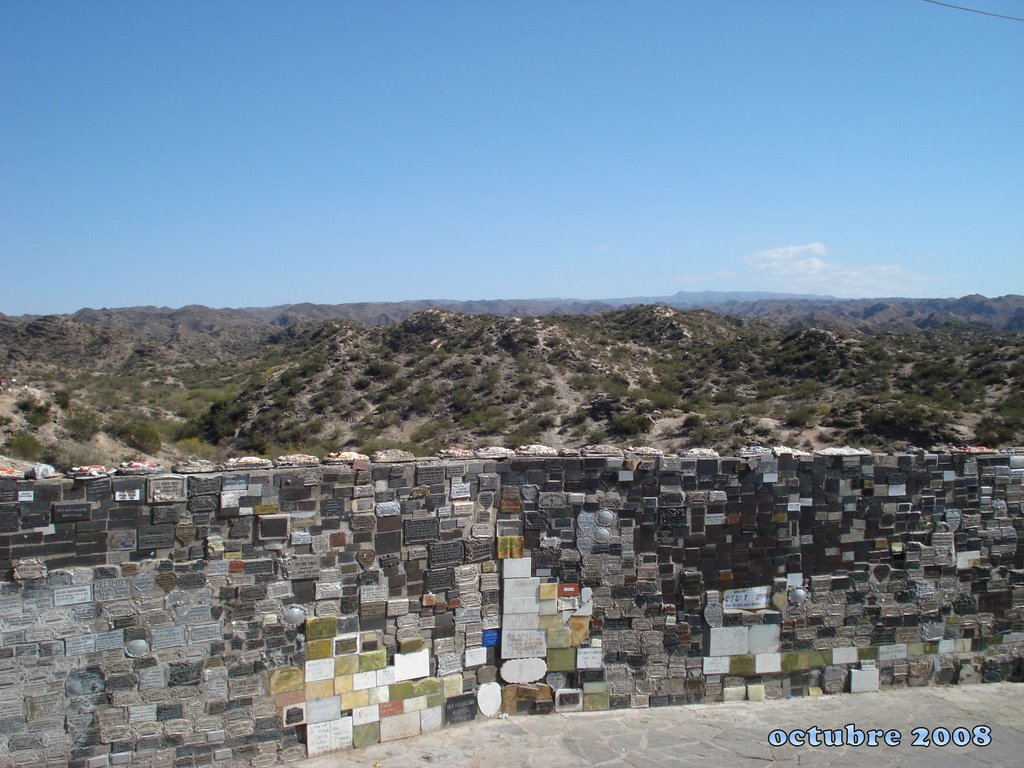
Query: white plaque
{"type": "Point", "coordinates": [523, 644]}
{"type": "Point", "coordinates": [845, 655]}
{"type": "Point", "coordinates": [728, 641]}
{"type": "Point", "coordinates": [517, 567]}
{"type": "Point", "coordinates": [409, 666]}
{"type": "Point", "coordinates": [523, 670]}
{"type": "Point", "coordinates": [488, 699]}
{"type": "Point", "coordinates": [716, 665]}
{"type": "Point", "coordinates": [751, 598]}
{"type": "Point", "coordinates": [319, 669]}
{"type": "Point", "coordinates": [892, 652]}
{"type": "Point", "coordinates": [589, 658]}
{"type": "Point", "coordinates": [323, 710]}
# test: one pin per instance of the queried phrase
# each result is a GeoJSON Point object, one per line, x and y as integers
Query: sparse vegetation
{"type": "Point", "coordinates": [641, 375]}
{"type": "Point", "coordinates": [23, 445]}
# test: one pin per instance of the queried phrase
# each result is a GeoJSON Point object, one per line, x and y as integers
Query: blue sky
{"type": "Point", "coordinates": [252, 154]}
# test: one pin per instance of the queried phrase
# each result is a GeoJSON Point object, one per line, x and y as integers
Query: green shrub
{"type": "Point", "coordinates": [380, 369]}
{"type": "Point", "coordinates": [631, 424]}
{"type": "Point", "coordinates": [23, 445]}
{"type": "Point", "coordinates": [82, 424]}
{"type": "Point", "coordinates": [138, 434]}
{"type": "Point", "coordinates": [36, 412]}
{"type": "Point", "coordinates": [801, 416]}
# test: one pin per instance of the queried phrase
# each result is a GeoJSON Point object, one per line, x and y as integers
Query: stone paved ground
{"type": "Point", "coordinates": [732, 735]}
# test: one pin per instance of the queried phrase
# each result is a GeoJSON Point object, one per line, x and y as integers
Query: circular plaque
{"type": "Point", "coordinates": [136, 648]}
{"type": "Point", "coordinates": [293, 616]}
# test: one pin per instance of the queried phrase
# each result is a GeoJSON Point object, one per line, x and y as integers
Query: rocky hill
{"type": "Point", "coordinates": [114, 384]}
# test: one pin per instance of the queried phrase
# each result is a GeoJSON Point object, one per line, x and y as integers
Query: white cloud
{"type": "Point", "coordinates": [806, 269]}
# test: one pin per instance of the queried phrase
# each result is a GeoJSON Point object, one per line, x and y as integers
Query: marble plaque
{"type": "Point", "coordinates": [517, 568]}
{"type": "Point", "coordinates": [476, 657]}
{"type": "Point", "coordinates": [401, 726]}
{"type": "Point", "coordinates": [323, 710]}
{"type": "Point", "coordinates": [589, 658]}
{"type": "Point", "coordinates": [716, 665]}
{"type": "Point", "coordinates": [728, 641]}
{"type": "Point", "coordinates": [892, 652]}
{"type": "Point", "coordinates": [863, 680]}
{"type": "Point", "coordinates": [523, 670]}
{"type": "Point", "coordinates": [319, 669]}
{"type": "Point", "coordinates": [409, 666]}
{"type": "Point", "coordinates": [328, 736]}
{"type": "Point", "coordinates": [523, 644]}
{"type": "Point", "coordinates": [845, 655]}
{"type": "Point", "coordinates": [488, 699]}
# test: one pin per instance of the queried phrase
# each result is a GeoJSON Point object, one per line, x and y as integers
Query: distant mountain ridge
{"type": "Point", "coordinates": [897, 313]}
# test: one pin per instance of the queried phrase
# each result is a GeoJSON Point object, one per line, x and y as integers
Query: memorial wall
{"type": "Point", "coordinates": [259, 614]}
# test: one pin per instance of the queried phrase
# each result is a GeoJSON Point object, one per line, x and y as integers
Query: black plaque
{"type": "Point", "coordinates": [166, 513]}
{"type": "Point", "coordinates": [71, 513]}
{"type": "Point", "coordinates": [440, 579]}
{"type": "Point", "coordinates": [479, 550]}
{"type": "Point", "coordinates": [198, 486]}
{"type": "Point", "coordinates": [155, 537]}
{"type": "Point", "coordinates": [98, 490]}
{"type": "Point", "coordinates": [460, 709]}
{"type": "Point", "coordinates": [332, 507]}
{"type": "Point", "coordinates": [422, 531]}
{"type": "Point", "coordinates": [444, 553]}
{"type": "Point", "coordinates": [9, 518]}
{"type": "Point", "coordinates": [207, 503]}
{"type": "Point", "coordinates": [429, 475]}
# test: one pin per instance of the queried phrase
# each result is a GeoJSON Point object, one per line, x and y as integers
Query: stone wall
{"type": "Point", "coordinates": [254, 617]}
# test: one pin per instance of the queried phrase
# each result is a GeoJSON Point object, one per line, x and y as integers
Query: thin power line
{"type": "Point", "coordinates": [975, 10]}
